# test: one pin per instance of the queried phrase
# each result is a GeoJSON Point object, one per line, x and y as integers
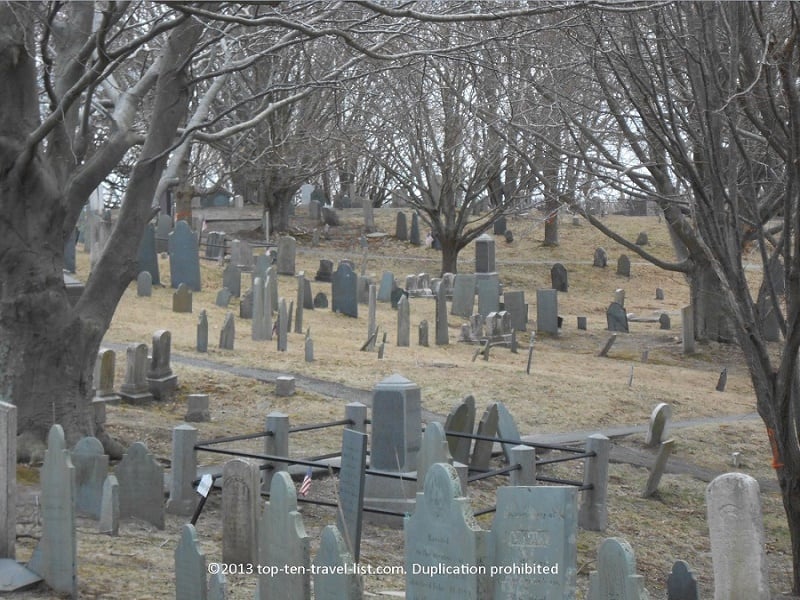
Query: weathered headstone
{"type": "Point", "coordinates": [109, 507]}
{"type": "Point", "coordinates": [499, 226]}
{"type": "Point", "coordinates": [147, 257]}
{"type": "Point", "coordinates": [246, 305]}
{"type": "Point", "coordinates": [320, 300]}
{"type": "Point", "coordinates": [463, 296]}
{"type": "Point", "coordinates": [135, 388]}
{"type": "Point", "coordinates": [642, 239]}
{"type": "Point", "coordinates": [197, 408]}
{"type": "Point", "coordinates": [396, 424]}
{"type": "Point", "coordinates": [616, 573]}
{"type": "Point", "coordinates": [600, 258]}
{"type": "Point", "coordinates": [423, 333]}
{"type": "Point", "coordinates": [401, 227]}
{"type": "Point", "coordinates": [241, 500]}
{"type": "Point", "coordinates": [517, 309]}
{"type": "Point", "coordinates": [624, 265]}
{"type": "Point", "coordinates": [535, 525]}
{"type": "Point", "coordinates": [161, 381]}
{"type": "Point", "coordinates": [351, 489]}
{"type": "Point", "coordinates": [488, 296]}
{"type": "Point", "coordinates": [300, 303]}
{"type": "Point", "coordinates": [403, 323]}
{"type": "Point", "coordinates": [104, 373]}
{"type": "Point", "coordinates": [659, 465]}
{"type": "Point", "coordinates": [582, 321]}
{"type": "Point", "coordinates": [414, 236]}
{"type": "Point", "coordinates": [141, 486]}
{"type": "Point", "coordinates": [687, 325]}
{"type": "Point", "coordinates": [663, 321]}
{"type": "Point", "coordinates": [202, 332]}
{"type": "Point", "coordinates": [182, 497]}
{"type": "Point", "coordinates": [344, 291]}
{"type": "Point", "coordinates": [241, 255]}
{"type": "Point", "coordinates": [507, 429]}
{"type": "Point", "coordinates": [190, 567]}
{"type": "Point", "coordinates": [163, 229]}
{"type": "Point", "coordinates": [8, 480]}
{"type": "Point", "coordinates": [308, 348]}
{"type": "Point", "coordinates": [215, 244]}
{"type": "Point", "coordinates": [386, 286]}
{"type": "Point", "coordinates": [484, 254]}
{"type": "Point", "coordinates": [227, 334]}
{"type": "Point", "coordinates": [681, 583]}
{"type": "Point", "coordinates": [283, 326]}
{"type": "Point", "coordinates": [659, 294]}
{"type": "Point", "coordinates": [334, 576]}
{"type": "Point", "coordinates": [182, 299]}
{"type": "Point", "coordinates": [232, 280]}
{"type": "Point", "coordinates": [461, 419]}
{"type": "Point", "coordinates": [144, 285]}
{"type": "Point", "coordinates": [659, 420]}
{"type": "Point", "coordinates": [281, 521]}
{"type": "Point", "coordinates": [617, 318]}
{"type": "Point", "coordinates": [558, 278]}
{"type": "Point", "coordinates": [487, 427]}
{"type": "Point", "coordinates": [442, 330]}
{"type": "Point", "coordinates": [593, 511]}
{"type": "Point", "coordinates": [91, 467]}
{"type": "Point", "coordinates": [287, 249]}
{"type": "Point", "coordinates": [325, 271]}
{"type": "Point", "coordinates": [547, 311]}
{"type": "Point", "coordinates": [55, 557]}
{"type": "Point", "coordinates": [441, 539]}
{"type": "Point", "coordinates": [184, 264]}
{"type": "Point", "coordinates": [434, 449]}
{"type": "Point", "coordinates": [736, 530]}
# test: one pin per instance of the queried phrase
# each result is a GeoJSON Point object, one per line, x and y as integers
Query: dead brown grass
{"type": "Point", "coordinates": [569, 388]}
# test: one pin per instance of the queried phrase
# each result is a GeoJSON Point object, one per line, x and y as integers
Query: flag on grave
{"type": "Point", "coordinates": [305, 486]}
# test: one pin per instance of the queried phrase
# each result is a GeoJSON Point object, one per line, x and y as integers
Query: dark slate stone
{"type": "Point", "coordinates": [617, 318]}
{"type": "Point", "coordinates": [395, 296]}
{"type": "Point", "coordinates": [308, 298]}
{"type": "Point", "coordinates": [232, 279]}
{"type": "Point", "coordinates": [681, 583]}
{"type": "Point", "coordinates": [624, 266]}
{"type": "Point", "coordinates": [642, 239]}
{"type": "Point", "coordinates": [320, 300]}
{"type": "Point", "coordinates": [184, 263]}
{"type": "Point", "coordinates": [345, 291]}
{"type": "Point", "coordinates": [499, 225]}
{"type": "Point", "coordinates": [558, 277]}
{"type": "Point", "coordinates": [414, 235]}
{"type": "Point", "coordinates": [401, 227]}
{"type": "Point", "coordinates": [330, 217]}
{"type": "Point", "coordinates": [148, 258]}
{"type": "Point", "coordinates": [663, 321]}
{"type": "Point", "coordinates": [325, 271]}
{"type": "Point", "coordinates": [509, 236]}
{"type": "Point", "coordinates": [600, 258]}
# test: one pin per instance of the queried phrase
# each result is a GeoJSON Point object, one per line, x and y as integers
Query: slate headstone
{"type": "Point", "coordinates": [351, 489]}
{"type": "Point", "coordinates": [414, 235]}
{"type": "Point", "coordinates": [559, 278]}
{"type": "Point", "coordinates": [246, 305]}
{"type": "Point", "coordinates": [202, 332]}
{"type": "Point", "coordinates": [190, 567]}
{"type": "Point", "coordinates": [320, 300]}
{"type": "Point", "coordinates": [8, 480]}
{"type": "Point", "coordinates": [344, 291]}
{"type": "Point", "coordinates": [617, 318]}
{"type": "Point", "coordinates": [141, 486]}
{"type": "Point", "coordinates": [184, 264]}
{"type": "Point", "coordinates": [507, 429]}
{"type": "Point", "coordinates": [423, 333]}
{"type": "Point", "coordinates": [681, 583]}
{"type": "Point", "coordinates": [499, 226]}
{"type": "Point", "coordinates": [514, 303]}
{"type": "Point", "coordinates": [616, 573]}
{"type": "Point", "coordinates": [325, 271]}
{"type": "Point", "coordinates": [624, 265]}
{"type": "Point", "coordinates": [401, 227]}
{"type": "Point", "coordinates": [144, 285]}
{"type": "Point", "coordinates": [600, 258]}
{"type": "Point", "coordinates": [91, 467]}
{"type": "Point", "coordinates": [487, 427]}
{"type": "Point", "coordinates": [463, 296]}
{"type": "Point", "coordinates": [287, 249]}
{"type": "Point", "coordinates": [227, 333]}
{"type": "Point", "coordinates": [488, 296]}
{"type": "Point", "coordinates": [232, 280]}
{"type": "Point", "coordinates": [657, 470]}
{"type": "Point", "coordinates": [161, 380]}
{"type": "Point", "coordinates": [386, 286]}
{"type": "Point", "coordinates": [396, 424]}
{"type": "Point", "coordinates": [664, 321]}
{"type": "Point", "coordinates": [403, 323]}
{"type": "Point", "coordinates": [547, 311]}
{"type": "Point", "coordinates": [442, 329]}
{"type": "Point", "coordinates": [334, 577]}
{"type": "Point", "coordinates": [484, 254]}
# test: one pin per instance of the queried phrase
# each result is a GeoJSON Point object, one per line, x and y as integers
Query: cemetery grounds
{"type": "Point", "coordinates": [569, 388]}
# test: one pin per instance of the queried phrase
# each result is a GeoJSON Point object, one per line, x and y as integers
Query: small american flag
{"type": "Point", "coordinates": [305, 486]}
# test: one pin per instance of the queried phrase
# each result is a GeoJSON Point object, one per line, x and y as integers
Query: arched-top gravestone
{"type": "Point", "coordinates": [334, 578]}
{"type": "Point", "coordinates": [345, 291]}
{"type": "Point", "coordinates": [91, 467]}
{"type": "Point", "coordinates": [184, 262]}
{"type": "Point", "coordinates": [461, 420]}
{"type": "Point", "coordinates": [141, 486]}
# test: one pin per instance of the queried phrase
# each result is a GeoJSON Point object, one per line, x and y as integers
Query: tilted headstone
{"type": "Point", "coordinates": [241, 501]}
{"type": "Point", "coordinates": [484, 254]}
{"type": "Point", "coordinates": [55, 557]}
{"type": "Point", "coordinates": [681, 583]}
{"type": "Point", "coordinates": [463, 296]}
{"type": "Point", "coordinates": [658, 468]}
{"type": "Point", "coordinates": [487, 427]}
{"type": "Point", "coordinates": [441, 538]}
{"type": "Point", "coordinates": [600, 258]}
{"type": "Point", "coordinates": [144, 285]}
{"type": "Point", "coordinates": [135, 388]}
{"type": "Point", "coordinates": [461, 419]}
{"type": "Point", "coordinates": [351, 489]}
{"type": "Point", "coordinates": [344, 291]}
{"type": "Point", "coordinates": [227, 334]}
{"type": "Point", "coordinates": [8, 480]}
{"type": "Point", "coordinates": [401, 227]}
{"type": "Point", "coordinates": [617, 318]}
{"type": "Point", "coordinates": [190, 567]}
{"type": "Point", "coordinates": [182, 299]}
{"type": "Point", "coordinates": [616, 573]}
{"type": "Point", "coordinates": [507, 429]}
{"type": "Point", "coordinates": [91, 467]}
{"type": "Point", "coordinates": [334, 577]}
{"type": "Point", "coordinates": [202, 332]}
{"type": "Point", "coordinates": [434, 450]}
{"type": "Point", "coordinates": [736, 530]}
{"type": "Point", "coordinates": [442, 330]}
{"type": "Point", "coordinates": [147, 257]}
{"type": "Point", "coordinates": [281, 521]}
{"type": "Point", "coordinates": [624, 265]}
{"type": "Point", "coordinates": [414, 236]}
{"type": "Point", "coordinates": [184, 264]}
{"type": "Point", "coordinates": [232, 280]}
{"type": "Point", "coordinates": [141, 486]}
{"type": "Point", "coordinates": [558, 278]}
{"type": "Point", "coordinates": [109, 507]}
{"type": "Point", "coordinates": [547, 311]}
{"type": "Point", "coordinates": [659, 420]}
{"type": "Point", "coordinates": [287, 249]}
{"type": "Point", "coordinates": [161, 381]}
{"type": "Point", "coordinates": [535, 525]}
{"type": "Point", "coordinates": [396, 424]}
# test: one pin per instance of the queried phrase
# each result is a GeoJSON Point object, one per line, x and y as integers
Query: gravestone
{"type": "Point", "coordinates": [144, 285]}
{"type": "Point", "coordinates": [600, 258]}
{"type": "Point", "coordinates": [334, 576]}
{"type": "Point", "coordinates": [241, 500]}
{"type": "Point", "coordinates": [484, 254]}
{"type": "Point", "coordinates": [109, 507]}
{"type": "Point", "coordinates": [642, 239]}
{"type": "Point", "coordinates": [320, 300]}
{"type": "Point", "coordinates": [386, 286]}
{"type": "Point", "coordinates": [223, 298]}
{"type": "Point", "coordinates": [593, 511]}
{"type": "Point", "coordinates": [8, 480]}
{"type": "Point", "coordinates": [657, 470]}
{"type": "Point", "coordinates": [91, 467]}
{"type": "Point", "coordinates": [197, 409]}
{"type": "Point", "coordinates": [441, 538]}
{"type": "Point", "coordinates": [283, 326]}
{"type": "Point", "coordinates": [617, 318]}
{"type": "Point", "coordinates": [241, 255]}
{"type": "Point", "coordinates": [300, 303]}
{"type": "Point", "coordinates": [141, 486]}
{"type": "Point", "coordinates": [514, 303]}
{"type": "Point", "coordinates": [287, 250]}
{"type": "Point", "coordinates": [148, 257]}
{"type": "Point", "coordinates": [281, 521]}
{"type": "Point", "coordinates": [535, 525]}
{"type": "Point", "coordinates": [227, 334]}
{"type": "Point", "coordinates": [232, 280]}
{"type": "Point", "coordinates": [737, 538]}
{"type": "Point", "coordinates": [659, 420]}
{"type": "Point", "coordinates": [325, 271]}
{"type": "Point", "coordinates": [463, 296]}
{"type": "Point", "coordinates": [362, 291]}
{"type": "Point", "coordinates": [423, 333]}
{"type": "Point", "coordinates": [271, 291]}
{"type": "Point", "coordinates": [261, 326]}
{"type": "Point", "coordinates": [215, 245]}
{"type": "Point", "coordinates": [624, 265]}
{"type": "Point", "coordinates": [104, 373]}
{"type": "Point", "coordinates": [507, 429]}
{"type": "Point", "coordinates": [190, 567]}
{"type": "Point", "coordinates": [163, 230]}
{"type": "Point", "coordinates": [403, 323]}
{"type": "Point", "coordinates": [663, 321]}
{"type": "Point", "coordinates": [414, 236]}
{"type": "Point", "coordinates": [135, 388]}
{"type": "Point", "coordinates": [351, 489]}
{"type": "Point", "coordinates": [499, 226]}
{"type": "Point", "coordinates": [619, 296]}
{"type": "Point", "coordinates": [509, 236]}
{"type": "Point", "coordinates": [184, 264]}
{"type": "Point", "coordinates": [558, 278]}
{"type": "Point", "coordinates": [547, 311]}
{"type": "Point", "coordinates": [262, 263]}
{"type": "Point", "coordinates": [372, 324]}
{"type": "Point", "coordinates": [55, 556]}
{"type": "Point", "coordinates": [396, 424]}
{"type": "Point", "coordinates": [182, 299]}
{"type": "Point", "coordinates": [488, 296]}
{"type": "Point", "coordinates": [461, 419]}
{"type": "Point", "coordinates": [487, 427]}
{"type": "Point", "coordinates": [681, 583]}
{"type": "Point", "coordinates": [161, 381]}
{"type": "Point", "coordinates": [202, 332]}
{"type": "Point", "coordinates": [434, 449]}
{"type": "Point", "coordinates": [401, 227]}
{"type": "Point", "coordinates": [344, 291]}
{"type": "Point", "coordinates": [687, 326]}
{"type": "Point", "coordinates": [442, 330]}
{"type": "Point", "coordinates": [397, 293]}
{"type": "Point", "coordinates": [616, 573]}
{"type": "Point", "coordinates": [308, 348]}
{"type": "Point", "coordinates": [659, 294]}
{"type": "Point", "coordinates": [182, 496]}
{"type": "Point", "coordinates": [246, 305]}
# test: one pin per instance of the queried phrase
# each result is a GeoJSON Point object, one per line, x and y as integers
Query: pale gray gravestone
{"type": "Point", "coordinates": [396, 424]}
{"type": "Point", "coordinates": [461, 420]}
{"type": "Point", "coordinates": [227, 334]}
{"type": "Point", "coordinates": [487, 427]}
{"type": "Point", "coordinates": [593, 511]}
{"type": "Point", "coordinates": [184, 263]}
{"type": "Point", "coordinates": [386, 286]}
{"type": "Point", "coordinates": [736, 530]}
{"type": "Point", "coordinates": [109, 507]}
{"type": "Point", "coordinates": [241, 500]}
{"type": "Point", "coordinates": [282, 542]}
{"type": "Point", "coordinates": [617, 318]}
{"type": "Point", "coordinates": [190, 567]}
{"type": "Point", "coordinates": [334, 578]}
{"type": "Point", "coordinates": [161, 381]}
{"type": "Point", "coordinates": [104, 372]}
{"type": "Point", "coordinates": [144, 285]}
{"type": "Point", "coordinates": [463, 296]}
{"type": "Point", "coordinates": [434, 450]}
{"type": "Point", "coordinates": [442, 331]}
{"type": "Point", "coordinates": [536, 526]}
{"type": "Point", "coordinates": [616, 573]}
{"type": "Point", "coordinates": [351, 489]}
{"type": "Point", "coordinates": [182, 299]}
{"type": "Point", "coordinates": [232, 280]}
{"type": "Point", "coordinates": [223, 298]}
{"type": "Point", "coordinates": [141, 486]}
{"type": "Point", "coordinates": [517, 309]}
{"type": "Point", "coordinates": [197, 409]}
{"type": "Point", "coordinates": [259, 324]}
{"type": "Point", "coordinates": [182, 497]}
{"type": "Point", "coordinates": [547, 311]}
{"type": "Point", "coordinates": [422, 339]}
{"type": "Point", "coordinates": [8, 480]}
{"type": "Point", "coordinates": [403, 322]}
{"type": "Point", "coordinates": [681, 583]}
{"type": "Point", "coordinates": [658, 468]}
{"type": "Point", "coordinates": [217, 587]}
{"type": "Point", "coordinates": [202, 332]}
{"type": "Point", "coordinates": [507, 429]}
{"type": "Point", "coordinates": [659, 421]}
{"type": "Point", "coordinates": [488, 296]}
{"type": "Point", "coordinates": [135, 388]}
{"type": "Point", "coordinates": [441, 538]}
{"type": "Point", "coordinates": [91, 467]}
{"type": "Point", "coordinates": [287, 249]}
{"type": "Point", "coordinates": [55, 557]}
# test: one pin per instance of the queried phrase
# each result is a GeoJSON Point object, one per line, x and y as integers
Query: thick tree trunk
{"type": "Point", "coordinates": [711, 320]}
{"type": "Point", "coordinates": [551, 229]}
{"type": "Point", "coordinates": [450, 252]}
